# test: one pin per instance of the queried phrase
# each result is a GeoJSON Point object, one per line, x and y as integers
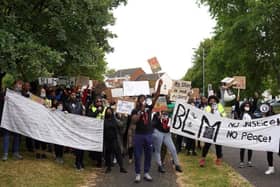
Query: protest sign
{"type": "Point", "coordinates": [125, 107]}
{"type": "Point", "coordinates": [154, 64]}
{"type": "Point", "coordinates": [117, 92]}
{"type": "Point", "coordinates": [161, 104]}
{"type": "Point", "coordinates": [195, 93]}
{"type": "Point", "coordinates": [180, 90]}
{"type": "Point", "coordinates": [82, 81]}
{"type": "Point", "coordinates": [258, 134]}
{"type": "Point", "coordinates": [31, 119]}
{"type": "Point", "coordinates": [135, 88]}
{"type": "Point", "coordinates": [48, 81]}
{"type": "Point", "coordinates": [239, 82]}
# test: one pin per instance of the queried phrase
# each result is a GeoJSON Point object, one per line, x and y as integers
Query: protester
{"type": "Point", "coordinates": [58, 149]}
{"type": "Point", "coordinates": [112, 145]}
{"type": "Point", "coordinates": [97, 110]}
{"type": "Point", "coordinates": [244, 112]}
{"type": "Point", "coordinates": [269, 155]}
{"type": "Point", "coordinates": [130, 138]}
{"type": "Point", "coordinates": [16, 137]}
{"type": "Point", "coordinates": [75, 107]}
{"type": "Point", "coordinates": [161, 135]}
{"type": "Point", "coordinates": [142, 115]}
{"type": "Point", "coordinates": [29, 142]}
{"type": "Point", "coordinates": [215, 108]}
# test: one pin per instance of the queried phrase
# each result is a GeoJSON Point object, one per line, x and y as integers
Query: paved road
{"type": "Point", "coordinates": [117, 179]}
{"type": "Point", "coordinates": [255, 174]}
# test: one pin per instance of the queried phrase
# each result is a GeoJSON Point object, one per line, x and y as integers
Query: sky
{"type": "Point", "coordinates": [166, 29]}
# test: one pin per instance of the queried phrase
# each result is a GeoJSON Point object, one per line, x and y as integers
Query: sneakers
{"type": "Point", "coordinates": [137, 178]}
{"type": "Point", "coordinates": [178, 168]}
{"type": "Point", "coordinates": [5, 157]}
{"type": "Point", "coordinates": [241, 165]}
{"type": "Point", "coordinates": [249, 164]}
{"type": "Point", "coordinates": [270, 171]}
{"type": "Point", "coordinates": [148, 177]}
{"type": "Point", "coordinates": [202, 162]}
{"type": "Point", "coordinates": [218, 162]}
{"type": "Point", "coordinates": [161, 169]}
{"type": "Point", "coordinates": [17, 156]}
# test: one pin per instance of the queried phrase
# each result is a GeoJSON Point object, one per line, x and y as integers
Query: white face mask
{"type": "Point", "coordinates": [43, 94]}
{"type": "Point", "coordinates": [247, 109]}
{"type": "Point", "coordinates": [60, 107]}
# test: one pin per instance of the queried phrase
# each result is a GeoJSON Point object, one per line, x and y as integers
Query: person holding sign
{"type": "Point", "coordinates": [216, 108]}
{"type": "Point", "coordinates": [244, 113]}
{"type": "Point", "coordinates": [162, 135]}
{"type": "Point", "coordinates": [143, 139]}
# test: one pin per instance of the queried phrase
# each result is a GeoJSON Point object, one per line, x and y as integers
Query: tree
{"type": "Point", "coordinates": [55, 37]}
{"type": "Point", "coordinates": [246, 42]}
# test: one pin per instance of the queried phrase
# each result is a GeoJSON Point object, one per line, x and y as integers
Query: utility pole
{"type": "Point", "coordinates": [203, 72]}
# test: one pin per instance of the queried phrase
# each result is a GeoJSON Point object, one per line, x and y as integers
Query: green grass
{"type": "Point", "coordinates": [39, 173]}
{"type": "Point", "coordinates": [210, 175]}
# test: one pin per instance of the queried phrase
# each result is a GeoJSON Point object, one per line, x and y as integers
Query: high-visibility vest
{"type": "Point", "coordinates": [221, 109]}
{"type": "Point", "coordinates": [100, 115]}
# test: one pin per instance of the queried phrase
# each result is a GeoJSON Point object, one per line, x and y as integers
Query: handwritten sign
{"type": "Point", "coordinates": [125, 107]}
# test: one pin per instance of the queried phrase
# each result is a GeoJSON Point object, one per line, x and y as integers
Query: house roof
{"type": "Point", "coordinates": [149, 76]}
{"type": "Point", "coordinates": [124, 72]}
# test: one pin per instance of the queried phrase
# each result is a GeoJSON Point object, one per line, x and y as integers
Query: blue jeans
{"type": "Point", "coordinates": [143, 141]}
{"type": "Point", "coordinates": [6, 141]}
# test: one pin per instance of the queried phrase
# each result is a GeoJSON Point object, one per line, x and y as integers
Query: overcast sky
{"type": "Point", "coordinates": [167, 29]}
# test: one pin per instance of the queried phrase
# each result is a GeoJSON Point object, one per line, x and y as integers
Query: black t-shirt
{"type": "Point", "coordinates": [161, 124]}
{"type": "Point", "coordinates": [144, 124]}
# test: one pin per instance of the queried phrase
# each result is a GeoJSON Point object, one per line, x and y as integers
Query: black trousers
{"type": "Point", "coordinates": [190, 144]}
{"type": "Point", "coordinates": [94, 155]}
{"type": "Point", "coordinates": [58, 150]}
{"type": "Point", "coordinates": [29, 142]}
{"type": "Point", "coordinates": [206, 148]}
{"type": "Point", "coordinates": [130, 152]}
{"type": "Point", "coordinates": [242, 154]}
{"type": "Point", "coordinates": [269, 156]}
{"type": "Point", "coordinates": [179, 140]}
{"type": "Point", "coordinates": [113, 149]}
{"type": "Point", "coordinates": [79, 157]}
{"type": "Point", "coordinates": [39, 145]}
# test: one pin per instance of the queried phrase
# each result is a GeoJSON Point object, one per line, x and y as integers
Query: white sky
{"type": "Point", "coordinates": [167, 29]}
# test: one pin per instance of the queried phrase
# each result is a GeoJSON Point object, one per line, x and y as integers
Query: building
{"type": "Point", "coordinates": [116, 80]}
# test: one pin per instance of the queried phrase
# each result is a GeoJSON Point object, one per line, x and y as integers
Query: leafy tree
{"type": "Point", "coordinates": [55, 37]}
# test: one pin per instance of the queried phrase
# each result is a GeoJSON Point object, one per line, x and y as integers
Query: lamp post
{"type": "Point", "coordinates": [203, 72]}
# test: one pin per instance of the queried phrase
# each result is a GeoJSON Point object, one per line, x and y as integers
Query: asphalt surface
{"type": "Point", "coordinates": [255, 175]}
{"type": "Point", "coordinates": [117, 179]}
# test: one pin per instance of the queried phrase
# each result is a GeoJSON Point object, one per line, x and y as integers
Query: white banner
{"type": "Point", "coordinates": [26, 117]}
{"type": "Point", "coordinates": [261, 134]}
{"type": "Point", "coordinates": [117, 92]}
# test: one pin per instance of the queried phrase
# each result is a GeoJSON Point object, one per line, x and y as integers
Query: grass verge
{"type": "Point", "coordinates": [210, 175]}
{"type": "Point", "coordinates": [32, 172]}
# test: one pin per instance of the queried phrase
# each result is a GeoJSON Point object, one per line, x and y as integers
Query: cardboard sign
{"type": "Point", "coordinates": [161, 104]}
{"type": "Point", "coordinates": [82, 81]}
{"type": "Point", "coordinates": [239, 82]}
{"type": "Point", "coordinates": [48, 81]}
{"type": "Point", "coordinates": [181, 90]}
{"type": "Point", "coordinates": [135, 88]}
{"type": "Point", "coordinates": [195, 93]}
{"type": "Point", "coordinates": [125, 107]}
{"type": "Point", "coordinates": [154, 64]}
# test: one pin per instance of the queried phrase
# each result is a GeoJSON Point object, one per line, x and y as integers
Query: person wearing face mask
{"type": "Point", "coordinates": [161, 135]}
{"type": "Point", "coordinates": [141, 116]}
{"type": "Point", "coordinates": [244, 112]}
{"type": "Point", "coordinates": [215, 108]}
{"type": "Point", "coordinates": [16, 137]}
{"type": "Point", "coordinates": [73, 106]}
{"type": "Point", "coordinates": [112, 146]}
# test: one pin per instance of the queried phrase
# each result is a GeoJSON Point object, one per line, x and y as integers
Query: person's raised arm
{"type": "Point", "coordinates": [157, 93]}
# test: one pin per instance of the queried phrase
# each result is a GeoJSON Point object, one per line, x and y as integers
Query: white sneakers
{"type": "Point", "coordinates": [147, 177]}
{"type": "Point", "coordinates": [270, 171]}
{"type": "Point", "coordinates": [138, 178]}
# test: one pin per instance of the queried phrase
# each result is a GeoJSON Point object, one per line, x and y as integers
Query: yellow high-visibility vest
{"type": "Point", "coordinates": [221, 109]}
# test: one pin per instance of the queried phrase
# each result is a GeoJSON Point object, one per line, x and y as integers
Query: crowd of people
{"type": "Point", "coordinates": [142, 131]}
